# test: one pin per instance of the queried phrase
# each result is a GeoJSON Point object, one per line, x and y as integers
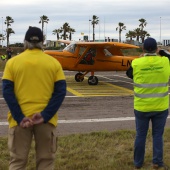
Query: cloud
{"type": "Point", "coordinates": [77, 13]}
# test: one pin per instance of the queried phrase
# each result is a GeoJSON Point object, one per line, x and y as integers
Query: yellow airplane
{"type": "Point", "coordinates": [86, 57]}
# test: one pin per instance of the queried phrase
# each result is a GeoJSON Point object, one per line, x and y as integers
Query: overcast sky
{"type": "Point", "coordinates": [78, 12]}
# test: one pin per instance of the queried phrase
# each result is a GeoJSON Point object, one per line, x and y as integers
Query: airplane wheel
{"type": "Point", "coordinates": [79, 77]}
{"type": "Point", "coordinates": [93, 80]}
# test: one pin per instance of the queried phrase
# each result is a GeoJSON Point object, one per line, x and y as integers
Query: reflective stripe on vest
{"type": "Point", "coordinates": [151, 85]}
{"type": "Point", "coordinates": [151, 95]}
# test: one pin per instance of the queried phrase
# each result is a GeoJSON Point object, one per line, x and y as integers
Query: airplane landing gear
{"type": "Point", "coordinates": [92, 80]}
{"type": "Point", "coordinates": [79, 77]}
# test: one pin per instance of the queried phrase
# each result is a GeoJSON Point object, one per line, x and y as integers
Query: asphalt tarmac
{"type": "Point", "coordinates": [107, 106]}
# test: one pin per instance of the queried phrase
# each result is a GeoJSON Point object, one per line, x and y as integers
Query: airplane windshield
{"type": "Point", "coordinates": [70, 48]}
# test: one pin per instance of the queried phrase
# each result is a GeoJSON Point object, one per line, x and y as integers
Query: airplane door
{"type": "Point", "coordinates": [89, 58]}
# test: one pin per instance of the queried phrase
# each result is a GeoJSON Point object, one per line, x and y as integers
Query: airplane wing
{"type": "Point", "coordinates": [65, 41]}
{"type": "Point", "coordinates": [107, 44]}
{"type": "Point", "coordinates": [101, 44]}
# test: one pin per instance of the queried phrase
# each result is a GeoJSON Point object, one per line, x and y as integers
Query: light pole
{"type": "Point", "coordinates": [2, 32]}
{"type": "Point", "coordinates": [104, 29]}
{"type": "Point", "coordinates": [160, 29]}
{"type": "Point", "coordinates": [46, 35]}
{"type": "Point", "coordinates": [89, 29]}
{"type": "Point", "coordinates": [99, 30]}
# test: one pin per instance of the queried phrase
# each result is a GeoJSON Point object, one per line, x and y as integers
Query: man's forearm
{"type": "Point", "coordinates": [129, 72]}
{"type": "Point", "coordinates": [55, 101]}
{"type": "Point", "coordinates": [9, 96]}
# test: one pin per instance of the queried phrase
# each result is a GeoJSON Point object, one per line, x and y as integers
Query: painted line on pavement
{"type": "Point", "coordinates": [65, 96]}
{"type": "Point", "coordinates": [89, 120]}
{"type": "Point", "coordinates": [113, 80]}
{"type": "Point", "coordinates": [102, 89]}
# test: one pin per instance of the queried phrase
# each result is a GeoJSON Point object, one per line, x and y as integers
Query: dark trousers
{"type": "Point", "coordinates": [158, 120]}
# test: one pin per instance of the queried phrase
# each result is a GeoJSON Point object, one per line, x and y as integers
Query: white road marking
{"type": "Point", "coordinates": [118, 119]}
{"type": "Point", "coordinates": [3, 123]}
{"type": "Point", "coordinates": [113, 80]}
{"type": "Point", "coordinates": [65, 96]}
{"type": "Point", "coordinates": [97, 120]}
{"type": "Point", "coordinates": [87, 120]}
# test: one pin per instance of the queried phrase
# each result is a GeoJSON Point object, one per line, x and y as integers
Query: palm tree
{"type": "Point", "coordinates": [95, 21]}
{"type": "Point", "coordinates": [2, 37]}
{"type": "Point", "coordinates": [137, 33]}
{"type": "Point", "coordinates": [142, 24]}
{"type": "Point", "coordinates": [67, 29]}
{"type": "Point", "coordinates": [131, 35]}
{"type": "Point", "coordinates": [120, 27]}
{"type": "Point", "coordinates": [144, 34]}
{"type": "Point", "coordinates": [43, 19]}
{"type": "Point", "coordinates": [71, 31]}
{"type": "Point", "coordinates": [9, 31]}
{"type": "Point", "coordinates": [57, 32]}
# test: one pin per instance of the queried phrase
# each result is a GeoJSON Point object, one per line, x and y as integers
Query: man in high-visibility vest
{"type": "Point", "coordinates": [3, 57]}
{"type": "Point", "coordinates": [150, 75]}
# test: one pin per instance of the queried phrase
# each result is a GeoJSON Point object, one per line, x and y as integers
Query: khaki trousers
{"type": "Point", "coordinates": [19, 143]}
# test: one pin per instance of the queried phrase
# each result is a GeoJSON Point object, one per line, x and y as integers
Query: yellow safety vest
{"type": "Point", "coordinates": [3, 57]}
{"type": "Point", "coordinates": [151, 82]}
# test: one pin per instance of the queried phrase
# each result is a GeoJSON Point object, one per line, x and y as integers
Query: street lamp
{"type": "Point", "coordinates": [99, 30]}
{"type": "Point", "coordinates": [2, 33]}
{"type": "Point", "coordinates": [104, 28]}
{"type": "Point", "coordinates": [89, 29]}
{"type": "Point", "coordinates": [46, 35]}
{"type": "Point", "coordinates": [160, 29]}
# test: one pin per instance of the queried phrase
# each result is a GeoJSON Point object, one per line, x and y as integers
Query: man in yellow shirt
{"type": "Point", "coordinates": [34, 88]}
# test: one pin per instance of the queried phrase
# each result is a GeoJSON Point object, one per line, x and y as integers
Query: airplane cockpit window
{"type": "Point", "coordinates": [89, 57]}
{"type": "Point", "coordinates": [81, 51]}
{"type": "Point", "coordinates": [70, 48]}
{"type": "Point", "coordinates": [107, 53]}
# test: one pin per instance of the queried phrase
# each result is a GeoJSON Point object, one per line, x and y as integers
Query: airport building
{"type": "Point", "coordinates": [166, 43]}
{"type": "Point", "coordinates": [52, 43]}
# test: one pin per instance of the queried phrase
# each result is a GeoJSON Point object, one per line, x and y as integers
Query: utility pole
{"type": "Point", "coordinates": [2, 32]}
{"type": "Point", "coordinates": [89, 29]}
{"type": "Point", "coordinates": [160, 30]}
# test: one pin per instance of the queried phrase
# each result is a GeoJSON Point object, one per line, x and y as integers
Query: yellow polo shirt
{"type": "Point", "coordinates": [34, 74]}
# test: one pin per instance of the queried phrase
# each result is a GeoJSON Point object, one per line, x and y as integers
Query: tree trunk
{"type": "Point", "coordinates": [119, 36]}
{"type": "Point", "coordinates": [93, 34]}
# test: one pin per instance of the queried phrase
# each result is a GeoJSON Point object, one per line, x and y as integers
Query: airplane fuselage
{"type": "Point", "coordinates": [87, 57]}
{"type": "Point", "coordinates": [114, 63]}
